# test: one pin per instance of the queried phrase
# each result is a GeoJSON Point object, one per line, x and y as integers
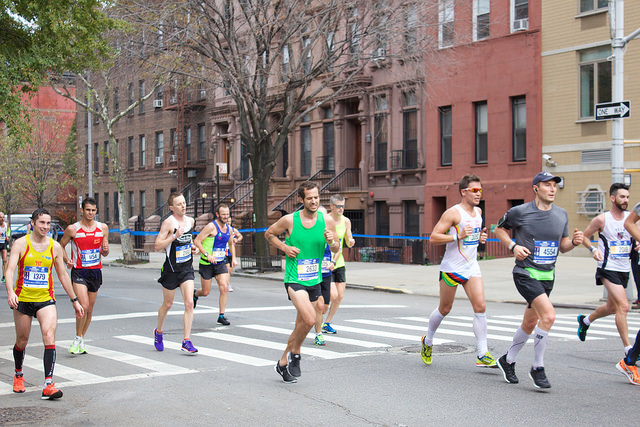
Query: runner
{"type": "Point", "coordinates": [628, 364]}
{"type": "Point", "coordinates": [33, 296]}
{"type": "Point", "coordinates": [343, 228]}
{"type": "Point", "coordinates": [322, 304]}
{"type": "Point", "coordinates": [307, 235]}
{"type": "Point", "coordinates": [212, 242]}
{"type": "Point", "coordinates": [614, 264]}
{"type": "Point", "coordinates": [237, 238]}
{"type": "Point", "coordinates": [175, 238]}
{"type": "Point", "coordinates": [460, 228]}
{"type": "Point", "coordinates": [540, 229]}
{"type": "Point", "coordinates": [3, 244]}
{"type": "Point", "coordinates": [89, 242]}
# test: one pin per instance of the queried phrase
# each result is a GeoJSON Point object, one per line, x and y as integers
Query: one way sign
{"type": "Point", "coordinates": [612, 110]}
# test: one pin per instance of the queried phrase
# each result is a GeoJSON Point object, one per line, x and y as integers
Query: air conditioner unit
{"type": "Point", "coordinates": [202, 94]}
{"type": "Point", "coordinates": [158, 160]}
{"type": "Point", "coordinates": [157, 103]}
{"type": "Point", "coordinates": [521, 24]}
{"type": "Point", "coordinates": [173, 100]}
{"type": "Point", "coordinates": [191, 173]}
{"type": "Point", "coordinates": [174, 158]}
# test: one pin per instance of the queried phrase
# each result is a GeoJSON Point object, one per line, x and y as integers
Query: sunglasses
{"type": "Point", "coordinates": [339, 206]}
{"type": "Point", "coordinates": [474, 190]}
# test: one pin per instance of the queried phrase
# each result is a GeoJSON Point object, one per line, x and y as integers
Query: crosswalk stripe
{"type": "Point", "coordinates": [378, 333]}
{"type": "Point", "coordinates": [141, 362]}
{"type": "Point", "coordinates": [218, 354]}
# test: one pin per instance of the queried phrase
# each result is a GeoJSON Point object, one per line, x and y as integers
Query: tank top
{"type": "Point", "coordinates": [179, 256]}
{"type": "Point", "coordinates": [461, 254]}
{"type": "Point", "coordinates": [85, 247]}
{"type": "Point", "coordinates": [341, 231]}
{"type": "Point", "coordinates": [35, 283]}
{"type": "Point", "coordinates": [614, 244]}
{"type": "Point", "coordinates": [326, 259]}
{"type": "Point", "coordinates": [231, 234]}
{"type": "Point", "coordinates": [216, 245]}
{"type": "Point", "coordinates": [3, 234]}
{"type": "Point", "coordinates": [304, 269]}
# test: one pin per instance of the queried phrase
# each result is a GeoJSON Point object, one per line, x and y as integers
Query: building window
{"type": "Point", "coordinates": [131, 95]}
{"type": "Point", "coordinates": [141, 93]}
{"type": "Point", "coordinates": [481, 10]}
{"type": "Point", "coordinates": [106, 207]}
{"type": "Point", "coordinates": [589, 5]}
{"type": "Point", "coordinates": [159, 148]}
{"type": "Point", "coordinates": [445, 136]}
{"type": "Point", "coordinates": [411, 218]}
{"type": "Point", "coordinates": [306, 46]}
{"type": "Point", "coordinates": [106, 156]}
{"type": "Point", "coordinates": [380, 134]}
{"type": "Point", "coordinates": [285, 64]}
{"type": "Point", "coordinates": [131, 203]}
{"type": "Point", "coordinates": [445, 23]}
{"type": "Point", "coordinates": [143, 202]}
{"type": "Point", "coordinates": [411, 29]}
{"type": "Point", "coordinates": [187, 143]}
{"type": "Point", "coordinates": [482, 125]}
{"type": "Point", "coordinates": [116, 208]}
{"type": "Point", "coordinates": [305, 150]}
{"type": "Point", "coordinates": [285, 157]}
{"type": "Point", "coordinates": [519, 15]}
{"type": "Point", "coordinates": [328, 139]}
{"type": "Point", "coordinates": [143, 151]}
{"type": "Point", "coordinates": [130, 157]}
{"type": "Point", "coordinates": [519, 125]}
{"type": "Point", "coordinates": [159, 201]}
{"type": "Point", "coordinates": [354, 33]}
{"type": "Point", "coordinates": [116, 101]}
{"type": "Point", "coordinates": [410, 132]}
{"type": "Point", "coordinates": [595, 79]}
{"type": "Point", "coordinates": [382, 222]}
{"type": "Point", "coordinates": [172, 145]}
{"type": "Point", "coordinates": [96, 158]}
{"type": "Point", "coordinates": [202, 142]}
{"type": "Point", "coordinates": [86, 158]}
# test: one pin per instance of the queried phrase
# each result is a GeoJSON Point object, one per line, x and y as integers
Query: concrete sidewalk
{"type": "Point", "coordinates": [574, 286]}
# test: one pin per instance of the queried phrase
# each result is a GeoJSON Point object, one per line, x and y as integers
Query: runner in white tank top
{"type": "Point", "coordinates": [461, 256]}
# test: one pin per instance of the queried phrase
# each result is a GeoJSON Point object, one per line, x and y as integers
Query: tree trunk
{"type": "Point", "coordinates": [260, 192]}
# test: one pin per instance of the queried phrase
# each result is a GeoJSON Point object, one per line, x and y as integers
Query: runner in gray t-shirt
{"type": "Point", "coordinates": [540, 231]}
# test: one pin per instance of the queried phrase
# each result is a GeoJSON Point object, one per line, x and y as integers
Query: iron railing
{"type": "Point", "coordinates": [290, 202]}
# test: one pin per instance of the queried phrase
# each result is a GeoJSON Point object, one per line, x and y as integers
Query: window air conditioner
{"type": "Point", "coordinates": [157, 103]}
{"type": "Point", "coordinates": [158, 160]}
{"type": "Point", "coordinates": [173, 100]}
{"type": "Point", "coordinates": [174, 158]}
{"type": "Point", "coordinates": [202, 94]}
{"type": "Point", "coordinates": [521, 24]}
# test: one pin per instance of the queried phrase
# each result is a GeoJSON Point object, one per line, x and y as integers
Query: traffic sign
{"type": "Point", "coordinates": [612, 110]}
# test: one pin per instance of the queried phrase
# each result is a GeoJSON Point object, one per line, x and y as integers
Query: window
{"type": "Point", "coordinates": [131, 203]}
{"type": "Point", "coordinates": [445, 23]}
{"type": "Point", "coordinates": [202, 142]}
{"type": "Point", "coordinates": [141, 93]}
{"type": "Point", "coordinates": [285, 64]}
{"type": "Point", "coordinates": [106, 156]}
{"type": "Point", "coordinates": [445, 136]}
{"type": "Point", "coordinates": [172, 144]}
{"type": "Point", "coordinates": [143, 151]}
{"type": "Point", "coordinates": [159, 200]}
{"type": "Point", "coordinates": [482, 124]}
{"type": "Point", "coordinates": [410, 132]}
{"type": "Point", "coordinates": [519, 126]}
{"type": "Point", "coordinates": [411, 29]}
{"type": "Point", "coordinates": [380, 132]}
{"type": "Point", "coordinates": [328, 139]}
{"type": "Point", "coordinates": [96, 158]}
{"type": "Point", "coordinates": [306, 45]}
{"type": "Point", "coordinates": [285, 157]}
{"type": "Point", "coordinates": [159, 148]}
{"type": "Point", "coordinates": [411, 218]}
{"type": "Point", "coordinates": [519, 15]}
{"type": "Point", "coordinates": [589, 5]}
{"type": "Point", "coordinates": [131, 95]}
{"type": "Point", "coordinates": [106, 207]}
{"type": "Point", "coordinates": [143, 202]}
{"type": "Point", "coordinates": [116, 210]}
{"type": "Point", "coordinates": [595, 79]}
{"type": "Point", "coordinates": [382, 222]}
{"type": "Point", "coordinates": [130, 157]}
{"type": "Point", "coordinates": [86, 158]}
{"type": "Point", "coordinates": [481, 10]}
{"type": "Point", "coordinates": [116, 101]}
{"type": "Point", "coordinates": [305, 150]}
{"type": "Point", "coordinates": [187, 143]}
{"type": "Point", "coordinates": [354, 34]}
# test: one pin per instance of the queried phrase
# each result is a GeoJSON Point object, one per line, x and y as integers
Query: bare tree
{"type": "Point", "coordinates": [10, 193]}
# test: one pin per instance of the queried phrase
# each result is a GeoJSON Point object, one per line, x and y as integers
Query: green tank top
{"type": "Point", "coordinates": [341, 231]}
{"type": "Point", "coordinates": [305, 268]}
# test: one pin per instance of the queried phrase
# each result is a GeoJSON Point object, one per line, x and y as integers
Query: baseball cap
{"type": "Point", "coordinates": [545, 176]}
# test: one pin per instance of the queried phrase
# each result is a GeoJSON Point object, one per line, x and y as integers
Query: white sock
{"type": "Point", "coordinates": [626, 349]}
{"type": "Point", "coordinates": [586, 320]}
{"type": "Point", "coordinates": [434, 321]}
{"type": "Point", "coordinates": [480, 331]}
{"type": "Point", "coordinates": [539, 346]}
{"type": "Point", "coordinates": [519, 340]}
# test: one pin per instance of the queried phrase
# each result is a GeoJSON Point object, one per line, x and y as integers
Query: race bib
{"type": "Point", "coordinates": [35, 277]}
{"type": "Point", "coordinates": [545, 252]}
{"type": "Point", "coordinates": [308, 269]}
{"type": "Point", "coordinates": [90, 257]}
{"type": "Point", "coordinates": [183, 253]}
{"type": "Point", "coordinates": [325, 264]}
{"type": "Point", "coordinates": [620, 249]}
{"type": "Point", "coordinates": [219, 254]}
{"type": "Point", "coordinates": [472, 239]}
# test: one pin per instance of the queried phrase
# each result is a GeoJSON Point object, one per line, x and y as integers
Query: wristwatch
{"type": "Point", "coordinates": [74, 300]}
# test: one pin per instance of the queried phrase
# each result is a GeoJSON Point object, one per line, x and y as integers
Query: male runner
{"type": "Point", "coordinates": [460, 228]}
{"type": "Point", "coordinates": [614, 264]}
{"type": "Point", "coordinates": [175, 238]}
{"type": "Point", "coordinates": [89, 242]}
{"type": "Point", "coordinates": [540, 230]}
{"type": "Point", "coordinates": [212, 242]}
{"type": "Point", "coordinates": [343, 228]}
{"type": "Point", "coordinates": [3, 244]}
{"type": "Point", "coordinates": [322, 304]}
{"type": "Point", "coordinates": [307, 234]}
{"type": "Point", "coordinates": [33, 296]}
{"type": "Point", "coordinates": [237, 238]}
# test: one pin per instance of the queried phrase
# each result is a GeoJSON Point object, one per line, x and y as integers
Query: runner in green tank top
{"type": "Point", "coordinates": [307, 234]}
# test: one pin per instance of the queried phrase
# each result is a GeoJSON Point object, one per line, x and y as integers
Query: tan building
{"type": "Point", "coordinates": [576, 74]}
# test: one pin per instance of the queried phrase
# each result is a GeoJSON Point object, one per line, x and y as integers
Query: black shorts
{"type": "Point", "coordinates": [339, 275]}
{"type": "Point", "coordinates": [170, 280]}
{"type": "Point", "coordinates": [228, 259]}
{"type": "Point", "coordinates": [3, 246]}
{"type": "Point", "coordinates": [530, 288]}
{"type": "Point", "coordinates": [313, 291]}
{"type": "Point", "coordinates": [31, 308]}
{"type": "Point", "coordinates": [208, 271]}
{"type": "Point", "coordinates": [89, 277]}
{"type": "Point", "coordinates": [325, 289]}
{"type": "Point", "coordinates": [615, 277]}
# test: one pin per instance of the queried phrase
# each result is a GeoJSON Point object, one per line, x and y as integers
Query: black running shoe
{"type": "Point", "coordinates": [539, 378]}
{"type": "Point", "coordinates": [508, 370]}
{"type": "Point", "coordinates": [582, 328]}
{"type": "Point", "coordinates": [294, 364]}
{"type": "Point", "coordinates": [195, 299]}
{"type": "Point", "coordinates": [223, 321]}
{"type": "Point", "coordinates": [284, 373]}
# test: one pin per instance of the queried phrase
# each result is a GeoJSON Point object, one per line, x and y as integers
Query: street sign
{"type": "Point", "coordinates": [612, 110]}
{"type": "Point", "coordinates": [222, 168]}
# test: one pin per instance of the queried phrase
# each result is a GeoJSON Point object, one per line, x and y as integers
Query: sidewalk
{"type": "Point", "coordinates": [574, 286]}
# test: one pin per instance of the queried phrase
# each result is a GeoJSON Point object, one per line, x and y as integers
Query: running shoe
{"type": "Point", "coordinates": [539, 378]}
{"type": "Point", "coordinates": [294, 364]}
{"type": "Point", "coordinates": [508, 370]}
{"type": "Point", "coordinates": [50, 392]}
{"type": "Point", "coordinates": [582, 328]}
{"type": "Point", "coordinates": [188, 347]}
{"type": "Point", "coordinates": [486, 361]}
{"type": "Point", "coordinates": [629, 371]}
{"type": "Point", "coordinates": [75, 346]}
{"type": "Point", "coordinates": [320, 340]}
{"type": "Point", "coordinates": [223, 320]}
{"type": "Point", "coordinates": [18, 383]}
{"type": "Point", "coordinates": [195, 299]}
{"type": "Point", "coordinates": [426, 353]}
{"type": "Point", "coordinates": [157, 340]}
{"type": "Point", "coordinates": [82, 349]}
{"type": "Point", "coordinates": [326, 327]}
{"type": "Point", "coordinates": [3, 279]}
{"type": "Point", "coordinates": [284, 373]}
{"type": "Point", "coordinates": [229, 288]}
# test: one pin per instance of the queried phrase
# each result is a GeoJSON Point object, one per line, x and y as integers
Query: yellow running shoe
{"type": "Point", "coordinates": [426, 352]}
{"type": "Point", "coordinates": [486, 361]}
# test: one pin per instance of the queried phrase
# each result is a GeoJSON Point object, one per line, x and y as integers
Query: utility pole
{"type": "Point", "coordinates": [89, 148]}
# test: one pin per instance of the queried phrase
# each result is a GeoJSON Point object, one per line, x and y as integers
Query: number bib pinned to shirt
{"type": "Point", "coordinates": [545, 252]}
{"type": "Point", "coordinates": [36, 277]}
{"type": "Point", "coordinates": [308, 269]}
{"type": "Point", "coordinates": [472, 239]}
{"type": "Point", "coordinates": [620, 249]}
{"type": "Point", "coordinates": [90, 257]}
{"type": "Point", "coordinates": [183, 253]}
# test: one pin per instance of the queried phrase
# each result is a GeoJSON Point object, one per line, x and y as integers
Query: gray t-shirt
{"type": "Point", "coordinates": [636, 209]}
{"type": "Point", "coordinates": [539, 231]}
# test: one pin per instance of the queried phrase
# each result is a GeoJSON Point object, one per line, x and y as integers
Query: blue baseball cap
{"type": "Point", "coordinates": [545, 176]}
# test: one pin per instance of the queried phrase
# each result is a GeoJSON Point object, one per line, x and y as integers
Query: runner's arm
{"type": "Point", "coordinates": [65, 280]}
{"type": "Point", "coordinates": [69, 234]}
{"type": "Point", "coordinates": [165, 236]}
{"type": "Point", "coordinates": [208, 230]}
{"type": "Point", "coordinates": [16, 252]}
{"type": "Point", "coordinates": [104, 250]}
{"type": "Point", "coordinates": [632, 227]}
{"type": "Point", "coordinates": [237, 236]}
{"type": "Point", "coordinates": [349, 241]}
{"type": "Point", "coordinates": [284, 224]}
{"type": "Point", "coordinates": [520, 252]}
{"type": "Point", "coordinates": [439, 234]}
{"type": "Point", "coordinates": [596, 224]}
{"type": "Point", "coordinates": [566, 244]}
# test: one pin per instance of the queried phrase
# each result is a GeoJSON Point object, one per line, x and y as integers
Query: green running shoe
{"type": "Point", "coordinates": [486, 361]}
{"type": "Point", "coordinates": [426, 352]}
{"type": "Point", "coordinates": [75, 346]}
{"type": "Point", "coordinates": [320, 340]}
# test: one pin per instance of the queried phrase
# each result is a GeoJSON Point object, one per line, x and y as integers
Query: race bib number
{"type": "Point", "coordinates": [325, 264]}
{"type": "Point", "coordinates": [36, 277]}
{"type": "Point", "coordinates": [308, 269]}
{"type": "Point", "coordinates": [183, 253]}
{"type": "Point", "coordinates": [620, 249]}
{"type": "Point", "coordinates": [472, 239]}
{"type": "Point", "coordinates": [219, 254]}
{"type": "Point", "coordinates": [90, 257]}
{"type": "Point", "coordinates": [545, 252]}
{"type": "Point", "coordinates": [3, 238]}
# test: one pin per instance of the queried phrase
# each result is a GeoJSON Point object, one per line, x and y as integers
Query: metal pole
{"type": "Point", "coordinates": [617, 126]}
{"type": "Point", "coordinates": [217, 184]}
{"type": "Point", "coordinates": [89, 147]}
